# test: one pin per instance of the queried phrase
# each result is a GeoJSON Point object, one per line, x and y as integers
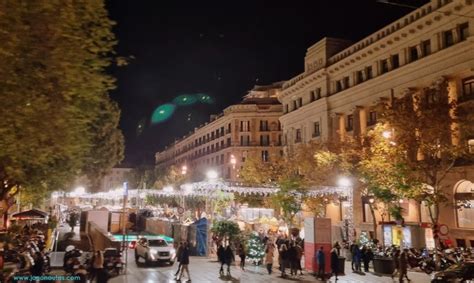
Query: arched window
{"type": "Point", "coordinates": [464, 203]}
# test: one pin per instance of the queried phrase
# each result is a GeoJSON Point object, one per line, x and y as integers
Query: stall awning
{"type": "Point", "coordinates": [33, 213]}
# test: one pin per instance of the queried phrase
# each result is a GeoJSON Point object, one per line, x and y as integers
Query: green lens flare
{"type": "Point", "coordinates": [185, 99]}
{"type": "Point", "coordinates": [204, 98]}
{"type": "Point", "coordinates": [162, 113]}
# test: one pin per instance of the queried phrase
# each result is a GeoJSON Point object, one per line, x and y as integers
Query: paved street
{"type": "Point", "coordinates": [204, 270]}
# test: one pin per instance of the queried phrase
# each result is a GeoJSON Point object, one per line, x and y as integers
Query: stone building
{"type": "Point", "coordinates": [342, 82]}
{"type": "Point", "coordinates": [250, 128]}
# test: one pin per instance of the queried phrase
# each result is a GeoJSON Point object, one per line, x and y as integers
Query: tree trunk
{"type": "Point", "coordinates": [374, 219]}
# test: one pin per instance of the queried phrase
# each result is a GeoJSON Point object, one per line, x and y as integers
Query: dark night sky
{"type": "Point", "coordinates": [221, 48]}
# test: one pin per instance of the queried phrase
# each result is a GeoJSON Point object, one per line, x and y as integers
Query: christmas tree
{"type": "Point", "coordinates": [256, 249]}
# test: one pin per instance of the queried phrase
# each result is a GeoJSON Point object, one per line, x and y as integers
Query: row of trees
{"type": "Point", "coordinates": [419, 139]}
{"type": "Point", "coordinates": [58, 121]}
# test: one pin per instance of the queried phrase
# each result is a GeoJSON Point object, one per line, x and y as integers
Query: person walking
{"type": "Point", "coordinates": [292, 259]}
{"type": "Point", "coordinates": [334, 262]}
{"type": "Point", "coordinates": [37, 268]}
{"type": "Point", "coordinates": [184, 261]}
{"type": "Point", "coordinates": [283, 258]}
{"type": "Point", "coordinates": [269, 253]}
{"type": "Point", "coordinates": [403, 266]}
{"type": "Point", "coordinates": [242, 255]}
{"type": "Point", "coordinates": [396, 262]}
{"type": "Point", "coordinates": [368, 255]}
{"type": "Point", "coordinates": [321, 259]}
{"type": "Point", "coordinates": [299, 256]}
{"type": "Point", "coordinates": [228, 258]}
{"type": "Point", "coordinates": [220, 258]}
{"type": "Point", "coordinates": [179, 251]}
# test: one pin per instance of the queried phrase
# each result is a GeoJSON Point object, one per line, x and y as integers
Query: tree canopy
{"type": "Point", "coordinates": [58, 120]}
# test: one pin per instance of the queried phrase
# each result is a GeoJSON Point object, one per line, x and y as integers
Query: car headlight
{"type": "Point", "coordinates": [173, 252]}
{"type": "Point", "coordinates": [153, 251]}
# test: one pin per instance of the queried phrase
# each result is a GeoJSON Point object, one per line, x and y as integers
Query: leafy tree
{"type": "Point", "coordinates": [226, 230]}
{"type": "Point", "coordinates": [58, 121]}
{"type": "Point", "coordinates": [385, 176]}
{"type": "Point", "coordinates": [426, 126]}
{"type": "Point", "coordinates": [169, 176]}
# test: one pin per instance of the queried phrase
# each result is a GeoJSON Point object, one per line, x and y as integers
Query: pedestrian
{"type": "Point", "coordinates": [37, 268]}
{"type": "Point", "coordinates": [81, 272]}
{"type": "Point", "coordinates": [283, 258]}
{"type": "Point", "coordinates": [396, 262]}
{"type": "Point", "coordinates": [299, 256]}
{"type": "Point", "coordinates": [358, 258]}
{"type": "Point", "coordinates": [292, 259]}
{"type": "Point", "coordinates": [242, 255]}
{"type": "Point", "coordinates": [184, 261]}
{"type": "Point", "coordinates": [178, 258]}
{"type": "Point", "coordinates": [403, 266]}
{"type": "Point", "coordinates": [220, 257]}
{"type": "Point", "coordinates": [228, 258]}
{"type": "Point", "coordinates": [97, 264]}
{"type": "Point", "coordinates": [321, 259]}
{"type": "Point", "coordinates": [355, 252]}
{"type": "Point", "coordinates": [335, 261]}
{"type": "Point", "coordinates": [269, 253]}
{"type": "Point", "coordinates": [367, 257]}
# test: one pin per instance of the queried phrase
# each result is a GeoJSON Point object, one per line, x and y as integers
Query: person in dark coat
{"type": "Point", "coordinates": [179, 251]}
{"type": "Point", "coordinates": [293, 258]}
{"type": "Point", "coordinates": [228, 258]}
{"type": "Point", "coordinates": [37, 268]}
{"type": "Point", "coordinates": [367, 256]}
{"type": "Point", "coordinates": [403, 266]}
{"type": "Point", "coordinates": [220, 258]}
{"type": "Point", "coordinates": [242, 255]}
{"type": "Point", "coordinates": [321, 259]}
{"type": "Point", "coordinates": [334, 262]}
{"type": "Point", "coordinates": [283, 259]}
{"type": "Point", "coordinates": [184, 261]}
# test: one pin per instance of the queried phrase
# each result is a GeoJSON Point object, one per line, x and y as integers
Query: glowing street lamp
{"type": "Point", "coordinates": [184, 170]}
{"type": "Point", "coordinates": [233, 161]}
{"type": "Point", "coordinates": [344, 182]}
{"type": "Point", "coordinates": [211, 175]}
{"type": "Point", "coordinates": [168, 189]}
{"type": "Point", "coordinates": [387, 134]}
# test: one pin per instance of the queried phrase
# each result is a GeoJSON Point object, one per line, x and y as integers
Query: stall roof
{"type": "Point", "coordinates": [33, 213]}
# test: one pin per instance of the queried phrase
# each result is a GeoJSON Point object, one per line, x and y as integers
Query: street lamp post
{"type": "Point", "coordinates": [124, 224]}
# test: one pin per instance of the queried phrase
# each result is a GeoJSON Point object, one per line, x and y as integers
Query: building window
{"type": "Point", "coordinates": [470, 144]}
{"type": "Point", "coordinates": [244, 140]}
{"type": "Point", "coordinates": [368, 72]}
{"type": "Point", "coordinates": [346, 82]}
{"type": "Point", "coordinates": [312, 96]}
{"type": "Point", "coordinates": [448, 38]}
{"type": "Point", "coordinates": [338, 86]}
{"type": "Point", "coordinates": [279, 140]}
{"type": "Point", "coordinates": [413, 53]}
{"type": "Point", "coordinates": [298, 135]}
{"type": "Point", "coordinates": [295, 106]}
{"type": "Point", "coordinates": [264, 140]}
{"type": "Point", "coordinates": [350, 123]}
{"type": "Point", "coordinates": [463, 31]}
{"type": "Point", "coordinates": [300, 102]}
{"type": "Point", "coordinates": [359, 76]}
{"type": "Point", "coordinates": [395, 61]}
{"type": "Point", "coordinates": [426, 47]}
{"type": "Point", "coordinates": [372, 118]}
{"type": "Point", "coordinates": [467, 89]}
{"type": "Point", "coordinates": [265, 156]}
{"type": "Point", "coordinates": [244, 126]}
{"type": "Point", "coordinates": [228, 141]}
{"type": "Point", "coordinates": [318, 93]}
{"type": "Point", "coordinates": [384, 66]}
{"type": "Point", "coordinates": [229, 128]}
{"type": "Point", "coordinates": [263, 125]}
{"type": "Point", "coordinates": [282, 153]}
{"type": "Point", "coordinates": [316, 130]}
{"type": "Point", "coordinates": [222, 158]}
{"type": "Point", "coordinates": [286, 108]}
{"type": "Point", "coordinates": [244, 155]}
